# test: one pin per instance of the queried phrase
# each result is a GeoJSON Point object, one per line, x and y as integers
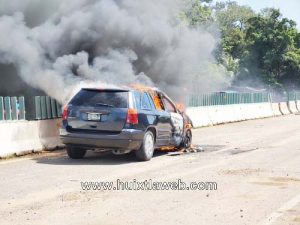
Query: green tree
{"type": "Point", "coordinates": [198, 12]}
{"type": "Point", "coordinates": [232, 20]}
{"type": "Point", "coordinates": [260, 47]}
{"type": "Point", "coordinates": [272, 54]}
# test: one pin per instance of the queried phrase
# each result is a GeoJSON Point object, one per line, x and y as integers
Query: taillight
{"type": "Point", "coordinates": [132, 116]}
{"type": "Point", "coordinates": [65, 113]}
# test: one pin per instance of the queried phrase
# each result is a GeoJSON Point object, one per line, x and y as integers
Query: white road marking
{"type": "Point", "coordinates": [273, 217]}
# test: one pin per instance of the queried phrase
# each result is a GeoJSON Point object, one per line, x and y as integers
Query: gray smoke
{"type": "Point", "coordinates": [58, 46]}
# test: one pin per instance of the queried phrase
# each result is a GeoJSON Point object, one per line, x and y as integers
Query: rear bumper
{"type": "Point", "coordinates": [128, 139]}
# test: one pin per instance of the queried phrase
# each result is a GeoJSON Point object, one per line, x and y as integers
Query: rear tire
{"type": "Point", "coordinates": [75, 153]}
{"type": "Point", "coordinates": [145, 152]}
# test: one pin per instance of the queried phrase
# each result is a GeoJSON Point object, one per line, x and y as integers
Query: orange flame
{"type": "Point", "coordinates": [181, 107]}
{"type": "Point", "coordinates": [168, 149]}
{"type": "Point", "coordinates": [157, 101]}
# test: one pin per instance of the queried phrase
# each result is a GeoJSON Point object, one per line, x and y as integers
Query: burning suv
{"type": "Point", "coordinates": [123, 120]}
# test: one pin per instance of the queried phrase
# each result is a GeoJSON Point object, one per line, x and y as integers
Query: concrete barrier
{"type": "Point", "coordinates": [199, 116]}
{"type": "Point", "coordinates": [284, 108]}
{"type": "Point", "coordinates": [213, 115]}
{"type": "Point", "coordinates": [298, 105]}
{"type": "Point", "coordinates": [238, 113]}
{"type": "Point", "coordinates": [255, 110]}
{"type": "Point", "coordinates": [26, 136]}
{"type": "Point", "coordinates": [229, 114]}
{"type": "Point", "coordinates": [17, 137]}
{"type": "Point", "coordinates": [251, 111]}
{"type": "Point", "coordinates": [276, 109]}
{"type": "Point", "coordinates": [260, 111]}
{"type": "Point", "coordinates": [265, 110]}
{"type": "Point", "coordinates": [246, 112]}
{"type": "Point", "coordinates": [49, 133]}
{"type": "Point", "coordinates": [292, 106]}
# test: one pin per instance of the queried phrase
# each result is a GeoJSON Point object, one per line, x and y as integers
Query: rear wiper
{"type": "Point", "coordinates": [103, 104]}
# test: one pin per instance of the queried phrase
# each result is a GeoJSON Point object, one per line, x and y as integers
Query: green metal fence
{"type": "Point", "coordinates": [12, 108]}
{"type": "Point", "coordinates": [293, 96]}
{"type": "Point", "coordinates": [223, 98]}
{"type": "Point", "coordinates": [46, 108]}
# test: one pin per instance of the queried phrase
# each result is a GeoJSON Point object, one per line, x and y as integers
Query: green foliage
{"type": "Point", "coordinates": [260, 47]}
{"type": "Point", "coordinates": [271, 46]}
{"type": "Point", "coordinates": [198, 13]}
{"type": "Point", "coordinates": [232, 20]}
{"type": "Point", "coordinates": [230, 16]}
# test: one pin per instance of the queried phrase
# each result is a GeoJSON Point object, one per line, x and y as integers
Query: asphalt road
{"type": "Point", "coordinates": [256, 165]}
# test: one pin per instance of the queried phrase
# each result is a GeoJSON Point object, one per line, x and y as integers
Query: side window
{"type": "Point", "coordinates": [145, 102]}
{"type": "Point", "coordinates": [157, 101]}
{"type": "Point", "coordinates": [168, 105]}
{"type": "Point", "coordinates": [137, 98]}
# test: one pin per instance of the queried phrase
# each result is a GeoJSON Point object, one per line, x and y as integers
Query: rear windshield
{"type": "Point", "coordinates": [116, 99]}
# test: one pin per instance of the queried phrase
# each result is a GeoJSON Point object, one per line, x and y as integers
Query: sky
{"type": "Point", "coordinates": [289, 8]}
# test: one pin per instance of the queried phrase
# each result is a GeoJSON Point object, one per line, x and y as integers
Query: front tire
{"type": "Point", "coordinates": [75, 153]}
{"type": "Point", "coordinates": [187, 141]}
{"type": "Point", "coordinates": [145, 152]}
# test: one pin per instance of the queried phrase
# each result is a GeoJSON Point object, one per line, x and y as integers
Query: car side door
{"type": "Point", "coordinates": [176, 122]}
{"type": "Point", "coordinates": [146, 112]}
{"type": "Point", "coordinates": [162, 121]}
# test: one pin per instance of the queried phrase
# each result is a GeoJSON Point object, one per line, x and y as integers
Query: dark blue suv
{"type": "Point", "coordinates": [123, 120]}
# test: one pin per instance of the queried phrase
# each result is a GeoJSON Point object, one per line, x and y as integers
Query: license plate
{"type": "Point", "coordinates": [94, 116]}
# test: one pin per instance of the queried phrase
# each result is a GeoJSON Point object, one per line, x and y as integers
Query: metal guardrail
{"type": "Point", "coordinates": [12, 108]}
{"type": "Point", "coordinates": [222, 98]}
{"type": "Point", "coordinates": [47, 108]}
